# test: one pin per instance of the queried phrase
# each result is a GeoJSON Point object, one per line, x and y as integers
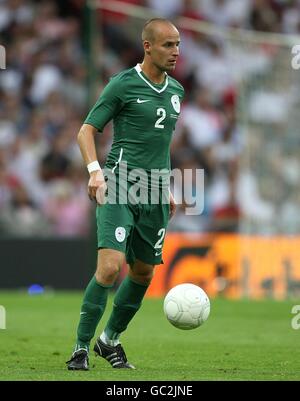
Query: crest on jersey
{"type": "Point", "coordinates": [175, 103]}
{"type": "Point", "coordinates": [120, 234]}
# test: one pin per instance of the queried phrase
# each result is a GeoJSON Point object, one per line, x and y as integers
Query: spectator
{"type": "Point", "coordinates": [66, 211]}
{"type": "Point", "coordinates": [55, 163]}
{"type": "Point", "coordinates": [43, 97]}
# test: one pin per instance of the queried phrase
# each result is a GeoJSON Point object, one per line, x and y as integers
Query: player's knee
{"type": "Point", "coordinates": [108, 272]}
{"type": "Point", "coordinates": [143, 277]}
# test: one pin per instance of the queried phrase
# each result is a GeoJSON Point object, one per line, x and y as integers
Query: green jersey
{"type": "Point", "coordinates": [144, 115]}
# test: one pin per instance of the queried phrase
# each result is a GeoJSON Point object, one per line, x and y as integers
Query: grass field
{"type": "Point", "coordinates": [241, 340]}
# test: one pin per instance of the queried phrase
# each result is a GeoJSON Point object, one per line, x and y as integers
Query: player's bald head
{"type": "Point", "coordinates": [156, 27]}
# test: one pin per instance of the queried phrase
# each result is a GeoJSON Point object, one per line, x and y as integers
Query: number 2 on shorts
{"type": "Point", "coordinates": [158, 245]}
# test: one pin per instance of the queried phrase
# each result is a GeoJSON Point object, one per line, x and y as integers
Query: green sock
{"type": "Point", "coordinates": [127, 302]}
{"type": "Point", "coordinates": [92, 309]}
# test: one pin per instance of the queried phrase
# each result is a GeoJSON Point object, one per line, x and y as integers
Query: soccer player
{"type": "Point", "coordinates": [144, 104]}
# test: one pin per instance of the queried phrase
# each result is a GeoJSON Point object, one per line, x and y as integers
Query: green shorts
{"type": "Point", "coordinates": [136, 230]}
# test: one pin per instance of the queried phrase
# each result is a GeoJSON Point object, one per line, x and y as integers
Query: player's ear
{"type": "Point", "coordinates": [147, 46]}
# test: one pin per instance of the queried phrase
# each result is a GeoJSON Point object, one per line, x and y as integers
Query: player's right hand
{"type": "Point", "coordinates": [97, 187]}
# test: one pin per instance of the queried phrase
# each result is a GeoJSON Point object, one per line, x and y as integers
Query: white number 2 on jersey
{"type": "Point", "coordinates": [162, 115]}
{"type": "Point", "coordinates": [158, 246]}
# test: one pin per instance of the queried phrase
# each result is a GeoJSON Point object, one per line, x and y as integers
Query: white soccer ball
{"type": "Point", "coordinates": [186, 306]}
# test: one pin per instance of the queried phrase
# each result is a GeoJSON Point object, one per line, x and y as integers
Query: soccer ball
{"type": "Point", "coordinates": [186, 306]}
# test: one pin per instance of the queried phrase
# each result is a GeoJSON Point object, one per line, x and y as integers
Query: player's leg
{"type": "Point", "coordinates": [143, 253]}
{"type": "Point", "coordinates": [94, 303]}
{"type": "Point", "coordinates": [95, 297]}
{"type": "Point", "coordinates": [114, 225]}
{"type": "Point", "coordinates": [127, 302]}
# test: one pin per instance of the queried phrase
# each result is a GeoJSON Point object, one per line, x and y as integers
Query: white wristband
{"type": "Point", "coordinates": [94, 166]}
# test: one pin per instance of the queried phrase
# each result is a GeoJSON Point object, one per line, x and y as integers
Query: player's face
{"type": "Point", "coordinates": [164, 51]}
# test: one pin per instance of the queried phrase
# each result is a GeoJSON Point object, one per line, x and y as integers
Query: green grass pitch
{"type": "Point", "coordinates": [241, 340]}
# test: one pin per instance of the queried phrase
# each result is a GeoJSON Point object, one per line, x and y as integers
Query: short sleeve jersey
{"type": "Point", "coordinates": [144, 115]}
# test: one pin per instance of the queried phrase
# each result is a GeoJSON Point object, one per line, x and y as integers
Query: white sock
{"type": "Point", "coordinates": [79, 347]}
{"type": "Point", "coordinates": [108, 341]}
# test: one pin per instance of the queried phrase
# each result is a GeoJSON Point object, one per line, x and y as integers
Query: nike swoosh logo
{"type": "Point", "coordinates": [83, 313]}
{"type": "Point", "coordinates": [143, 101]}
{"type": "Point", "coordinates": [158, 253]}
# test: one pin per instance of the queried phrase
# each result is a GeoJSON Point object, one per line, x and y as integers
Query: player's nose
{"type": "Point", "coordinates": [175, 52]}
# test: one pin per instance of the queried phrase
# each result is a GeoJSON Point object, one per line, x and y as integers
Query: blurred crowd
{"type": "Point", "coordinates": [44, 100]}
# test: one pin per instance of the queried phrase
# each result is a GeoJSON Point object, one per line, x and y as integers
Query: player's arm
{"type": "Point", "coordinates": [105, 109]}
{"type": "Point", "coordinates": [172, 205]}
{"type": "Point", "coordinates": [86, 142]}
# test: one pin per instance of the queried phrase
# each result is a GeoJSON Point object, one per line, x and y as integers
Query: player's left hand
{"type": "Point", "coordinates": [172, 206]}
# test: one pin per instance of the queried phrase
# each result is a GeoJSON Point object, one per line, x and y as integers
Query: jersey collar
{"type": "Point", "coordinates": [139, 71]}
